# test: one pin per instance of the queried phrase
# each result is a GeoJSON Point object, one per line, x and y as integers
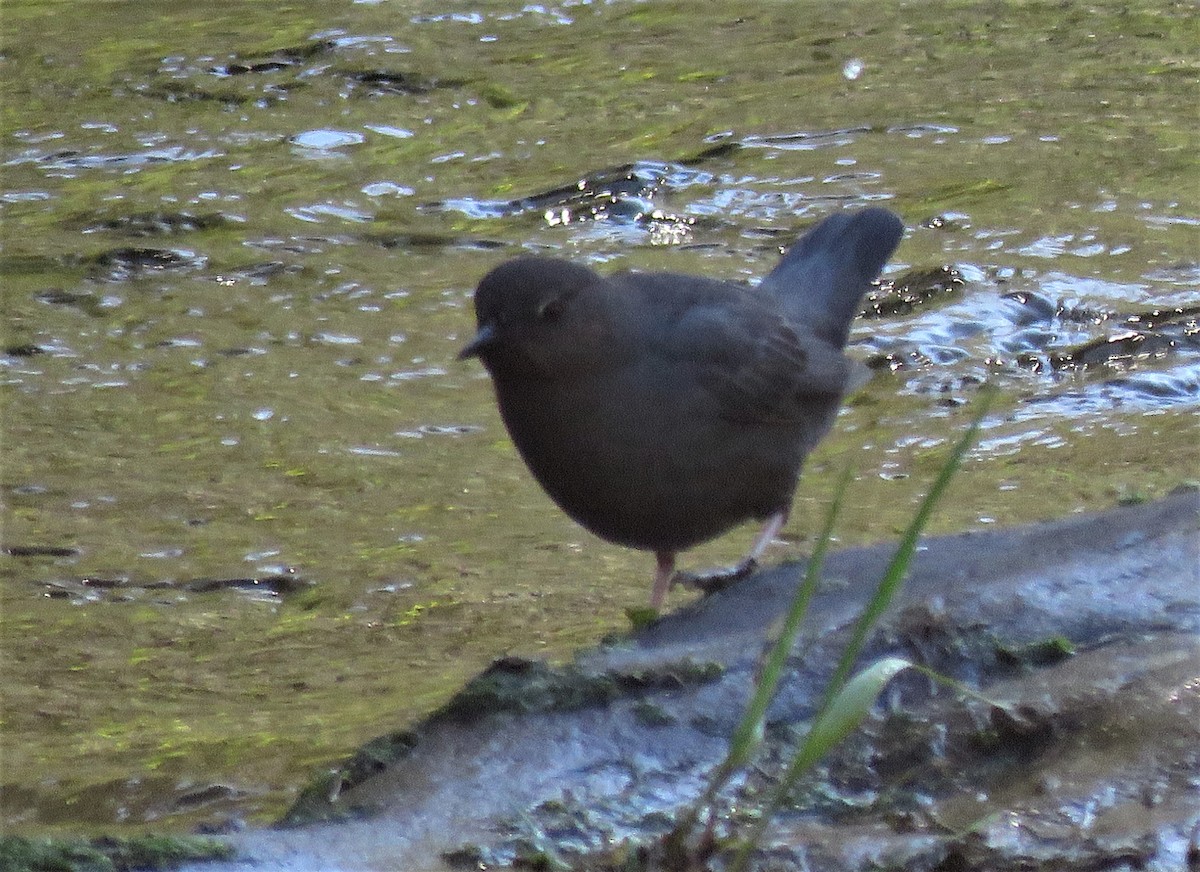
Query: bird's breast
{"type": "Point", "coordinates": [648, 462]}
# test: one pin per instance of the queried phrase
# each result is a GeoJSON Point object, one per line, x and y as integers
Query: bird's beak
{"type": "Point", "coordinates": [484, 337]}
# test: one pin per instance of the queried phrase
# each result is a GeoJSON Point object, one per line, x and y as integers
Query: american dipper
{"type": "Point", "coordinates": [658, 409]}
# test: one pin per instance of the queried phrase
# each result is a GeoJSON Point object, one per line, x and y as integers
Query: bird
{"type": "Point", "coordinates": [658, 409]}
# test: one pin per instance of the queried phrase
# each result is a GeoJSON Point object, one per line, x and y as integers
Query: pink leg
{"type": "Point", "coordinates": [769, 531]}
{"type": "Point", "coordinates": [663, 574]}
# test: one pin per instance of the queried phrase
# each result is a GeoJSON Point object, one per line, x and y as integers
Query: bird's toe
{"type": "Point", "coordinates": [713, 580]}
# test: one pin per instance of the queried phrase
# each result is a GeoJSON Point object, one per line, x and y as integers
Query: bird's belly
{"type": "Point", "coordinates": [653, 472]}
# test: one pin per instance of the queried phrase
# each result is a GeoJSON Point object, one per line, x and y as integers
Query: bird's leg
{"type": "Point", "coordinates": [663, 574]}
{"type": "Point", "coordinates": [766, 536]}
{"type": "Point", "coordinates": [719, 579]}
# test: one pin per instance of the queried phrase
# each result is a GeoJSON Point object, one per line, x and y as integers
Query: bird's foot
{"type": "Point", "coordinates": [717, 579]}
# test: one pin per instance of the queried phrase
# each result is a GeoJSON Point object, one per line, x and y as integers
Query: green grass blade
{"type": "Point", "coordinates": [848, 708]}
{"type": "Point", "coordinates": [749, 732]}
{"type": "Point", "coordinates": [827, 728]}
{"type": "Point", "coordinates": [893, 577]}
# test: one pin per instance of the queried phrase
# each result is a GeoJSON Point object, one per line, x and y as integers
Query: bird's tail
{"type": "Point", "coordinates": [825, 274]}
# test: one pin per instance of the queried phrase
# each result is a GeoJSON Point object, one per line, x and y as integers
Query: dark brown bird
{"type": "Point", "coordinates": [659, 410]}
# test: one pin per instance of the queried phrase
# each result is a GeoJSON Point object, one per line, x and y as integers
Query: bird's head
{"type": "Point", "coordinates": [536, 316]}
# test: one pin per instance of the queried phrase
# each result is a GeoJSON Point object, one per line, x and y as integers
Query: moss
{"type": "Point", "coordinates": [641, 616]}
{"type": "Point", "coordinates": [1043, 652]}
{"type": "Point", "coordinates": [468, 856]}
{"type": "Point", "coordinates": [499, 97]}
{"type": "Point", "coordinates": [50, 855]}
{"type": "Point", "coordinates": [650, 715]}
{"type": "Point", "coordinates": [318, 801]}
{"type": "Point", "coordinates": [513, 684]}
{"type": "Point", "coordinates": [106, 854]}
{"type": "Point", "coordinates": [162, 852]}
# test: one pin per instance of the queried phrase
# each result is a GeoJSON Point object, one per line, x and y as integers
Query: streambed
{"type": "Point", "coordinates": [254, 514]}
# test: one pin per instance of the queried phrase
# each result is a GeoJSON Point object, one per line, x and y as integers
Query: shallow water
{"type": "Point", "coordinates": [239, 244]}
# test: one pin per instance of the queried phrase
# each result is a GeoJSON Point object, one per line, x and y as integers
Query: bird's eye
{"type": "Point", "coordinates": [551, 310]}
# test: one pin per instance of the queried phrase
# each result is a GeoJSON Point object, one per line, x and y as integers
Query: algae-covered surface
{"type": "Point", "coordinates": [108, 854]}
{"type": "Point", "coordinates": [255, 514]}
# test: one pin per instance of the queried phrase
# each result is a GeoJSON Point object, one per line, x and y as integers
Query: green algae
{"type": "Point", "coordinates": [1040, 652]}
{"type": "Point", "coordinates": [148, 853]}
{"type": "Point", "coordinates": [1098, 102]}
{"type": "Point", "coordinates": [318, 800]}
{"type": "Point", "coordinates": [526, 686]}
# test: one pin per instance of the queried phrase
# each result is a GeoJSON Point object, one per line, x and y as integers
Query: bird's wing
{"type": "Point", "coordinates": [757, 365]}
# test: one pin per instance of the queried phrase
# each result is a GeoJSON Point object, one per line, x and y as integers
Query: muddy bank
{"type": "Point", "coordinates": [1086, 629]}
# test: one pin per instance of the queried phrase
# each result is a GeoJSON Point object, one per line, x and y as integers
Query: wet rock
{"type": "Point", "coordinates": [915, 288]}
{"type": "Point", "coordinates": [1083, 637]}
{"type": "Point", "coordinates": [624, 194]}
{"type": "Point", "coordinates": [123, 264]}
{"type": "Point", "coordinates": [159, 223]}
{"type": "Point", "coordinates": [275, 584]}
{"type": "Point", "coordinates": [23, 349]}
{"type": "Point", "coordinates": [1034, 330]}
{"type": "Point", "coordinates": [392, 81]}
{"type": "Point", "coordinates": [275, 60]}
{"type": "Point", "coordinates": [39, 551]}
{"type": "Point", "coordinates": [1145, 334]}
{"type": "Point", "coordinates": [431, 240]}
{"type": "Point", "coordinates": [806, 140]}
{"type": "Point", "coordinates": [88, 304]}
